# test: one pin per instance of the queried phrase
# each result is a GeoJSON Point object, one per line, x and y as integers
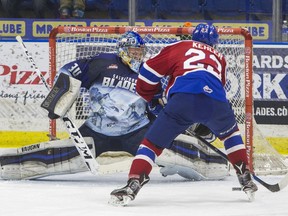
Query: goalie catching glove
{"type": "Point", "coordinates": [62, 96]}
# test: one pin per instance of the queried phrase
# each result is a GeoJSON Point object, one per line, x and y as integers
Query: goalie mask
{"type": "Point", "coordinates": [206, 34]}
{"type": "Point", "coordinates": [131, 49]}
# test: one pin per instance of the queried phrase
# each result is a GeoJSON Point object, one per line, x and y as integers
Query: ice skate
{"type": "Point", "coordinates": [247, 184]}
{"type": "Point", "coordinates": [245, 180]}
{"type": "Point", "coordinates": [123, 196]}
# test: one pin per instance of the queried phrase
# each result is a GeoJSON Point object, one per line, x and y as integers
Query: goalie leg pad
{"type": "Point", "coordinates": [62, 96]}
{"type": "Point", "coordinates": [202, 131]}
{"type": "Point", "coordinates": [191, 160]}
{"type": "Point", "coordinates": [196, 169]}
{"type": "Point", "coordinates": [43, 159]}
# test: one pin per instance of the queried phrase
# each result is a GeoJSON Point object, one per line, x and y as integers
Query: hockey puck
{"type": "Point", "coordinates": [236, 188]}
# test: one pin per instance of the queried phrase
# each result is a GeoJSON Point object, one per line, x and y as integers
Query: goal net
{"type": "Point", "coordinates": [70, 43]}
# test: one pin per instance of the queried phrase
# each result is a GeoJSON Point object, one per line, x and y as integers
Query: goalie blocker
{"type": "Point", "coordinates": [62, 96]}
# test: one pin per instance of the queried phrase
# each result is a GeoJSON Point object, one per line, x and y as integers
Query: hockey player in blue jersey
{"type": "Point", "coordinates": [118, 121]}
{"type": "Point", "coordinates": [195, 94]}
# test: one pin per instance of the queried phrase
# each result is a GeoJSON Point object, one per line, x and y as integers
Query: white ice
{"type": "Point", "coordinates": [84, 194]}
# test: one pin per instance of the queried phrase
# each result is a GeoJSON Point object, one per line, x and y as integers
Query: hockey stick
{"type": "Point", "coordinates": [272, 187]}
{"type": "Point", "coordinates": [75, 135]}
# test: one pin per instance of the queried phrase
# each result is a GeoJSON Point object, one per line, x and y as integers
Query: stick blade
{"type": "Point", "coordinates": [271, 187]}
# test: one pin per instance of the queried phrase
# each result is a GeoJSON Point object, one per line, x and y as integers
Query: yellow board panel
{"type": "Point", "coordinates": [14, 139]}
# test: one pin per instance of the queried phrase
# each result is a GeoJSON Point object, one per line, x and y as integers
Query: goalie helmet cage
{"type": "Point", "coordinates": [70, 43]}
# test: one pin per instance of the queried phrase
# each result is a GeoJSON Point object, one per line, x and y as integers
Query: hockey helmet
{"type": "Point", "coordinates": [206, 34]}
{"type": "Point", "coordinates": [131, 49]}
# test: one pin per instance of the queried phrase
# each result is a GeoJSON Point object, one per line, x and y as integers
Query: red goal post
{"type": "Point", "coordinates": [71, 43]}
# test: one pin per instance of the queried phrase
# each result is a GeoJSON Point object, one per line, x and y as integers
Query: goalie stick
{"type": "Point", "coordinates": [75, 134]}
{"type": "Point", "coordinates": [271, 187]}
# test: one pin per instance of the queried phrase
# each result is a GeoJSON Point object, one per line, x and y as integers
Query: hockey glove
{"type": "Point", "coordinates": [155, 107]}
{"type": "Point", "coordinates": [157, 103]}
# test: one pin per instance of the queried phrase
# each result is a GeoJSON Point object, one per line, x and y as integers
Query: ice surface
{"type": "Point", "coordinates": [84, 194]}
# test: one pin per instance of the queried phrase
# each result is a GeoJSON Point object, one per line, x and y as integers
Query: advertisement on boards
{"type": "Point", "coordinates": [270, 83]}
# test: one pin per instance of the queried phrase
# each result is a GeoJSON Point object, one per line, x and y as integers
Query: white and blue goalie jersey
{"type": "Point", "coordinates": [116, 108]}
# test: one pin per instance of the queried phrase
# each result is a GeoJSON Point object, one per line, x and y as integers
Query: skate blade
{"type": "Point", "coordinates": [115, 201]}
{"type": "Point", "coordinates": [250, 195]}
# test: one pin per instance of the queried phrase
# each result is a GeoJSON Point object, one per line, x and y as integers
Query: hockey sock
{"type": "Point", "coordinates": [144, 159]}
{"type": "Point", "coordinates": [235, 148]}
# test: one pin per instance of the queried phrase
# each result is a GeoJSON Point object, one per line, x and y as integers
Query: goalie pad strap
{"type": "Point", "coordinates": [62, 96]}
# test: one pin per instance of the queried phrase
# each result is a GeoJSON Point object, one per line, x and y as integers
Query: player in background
{"type": "Point", "coordinates": [118, 121]}
{"type": "Point", "coordinates": [195, 94]}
